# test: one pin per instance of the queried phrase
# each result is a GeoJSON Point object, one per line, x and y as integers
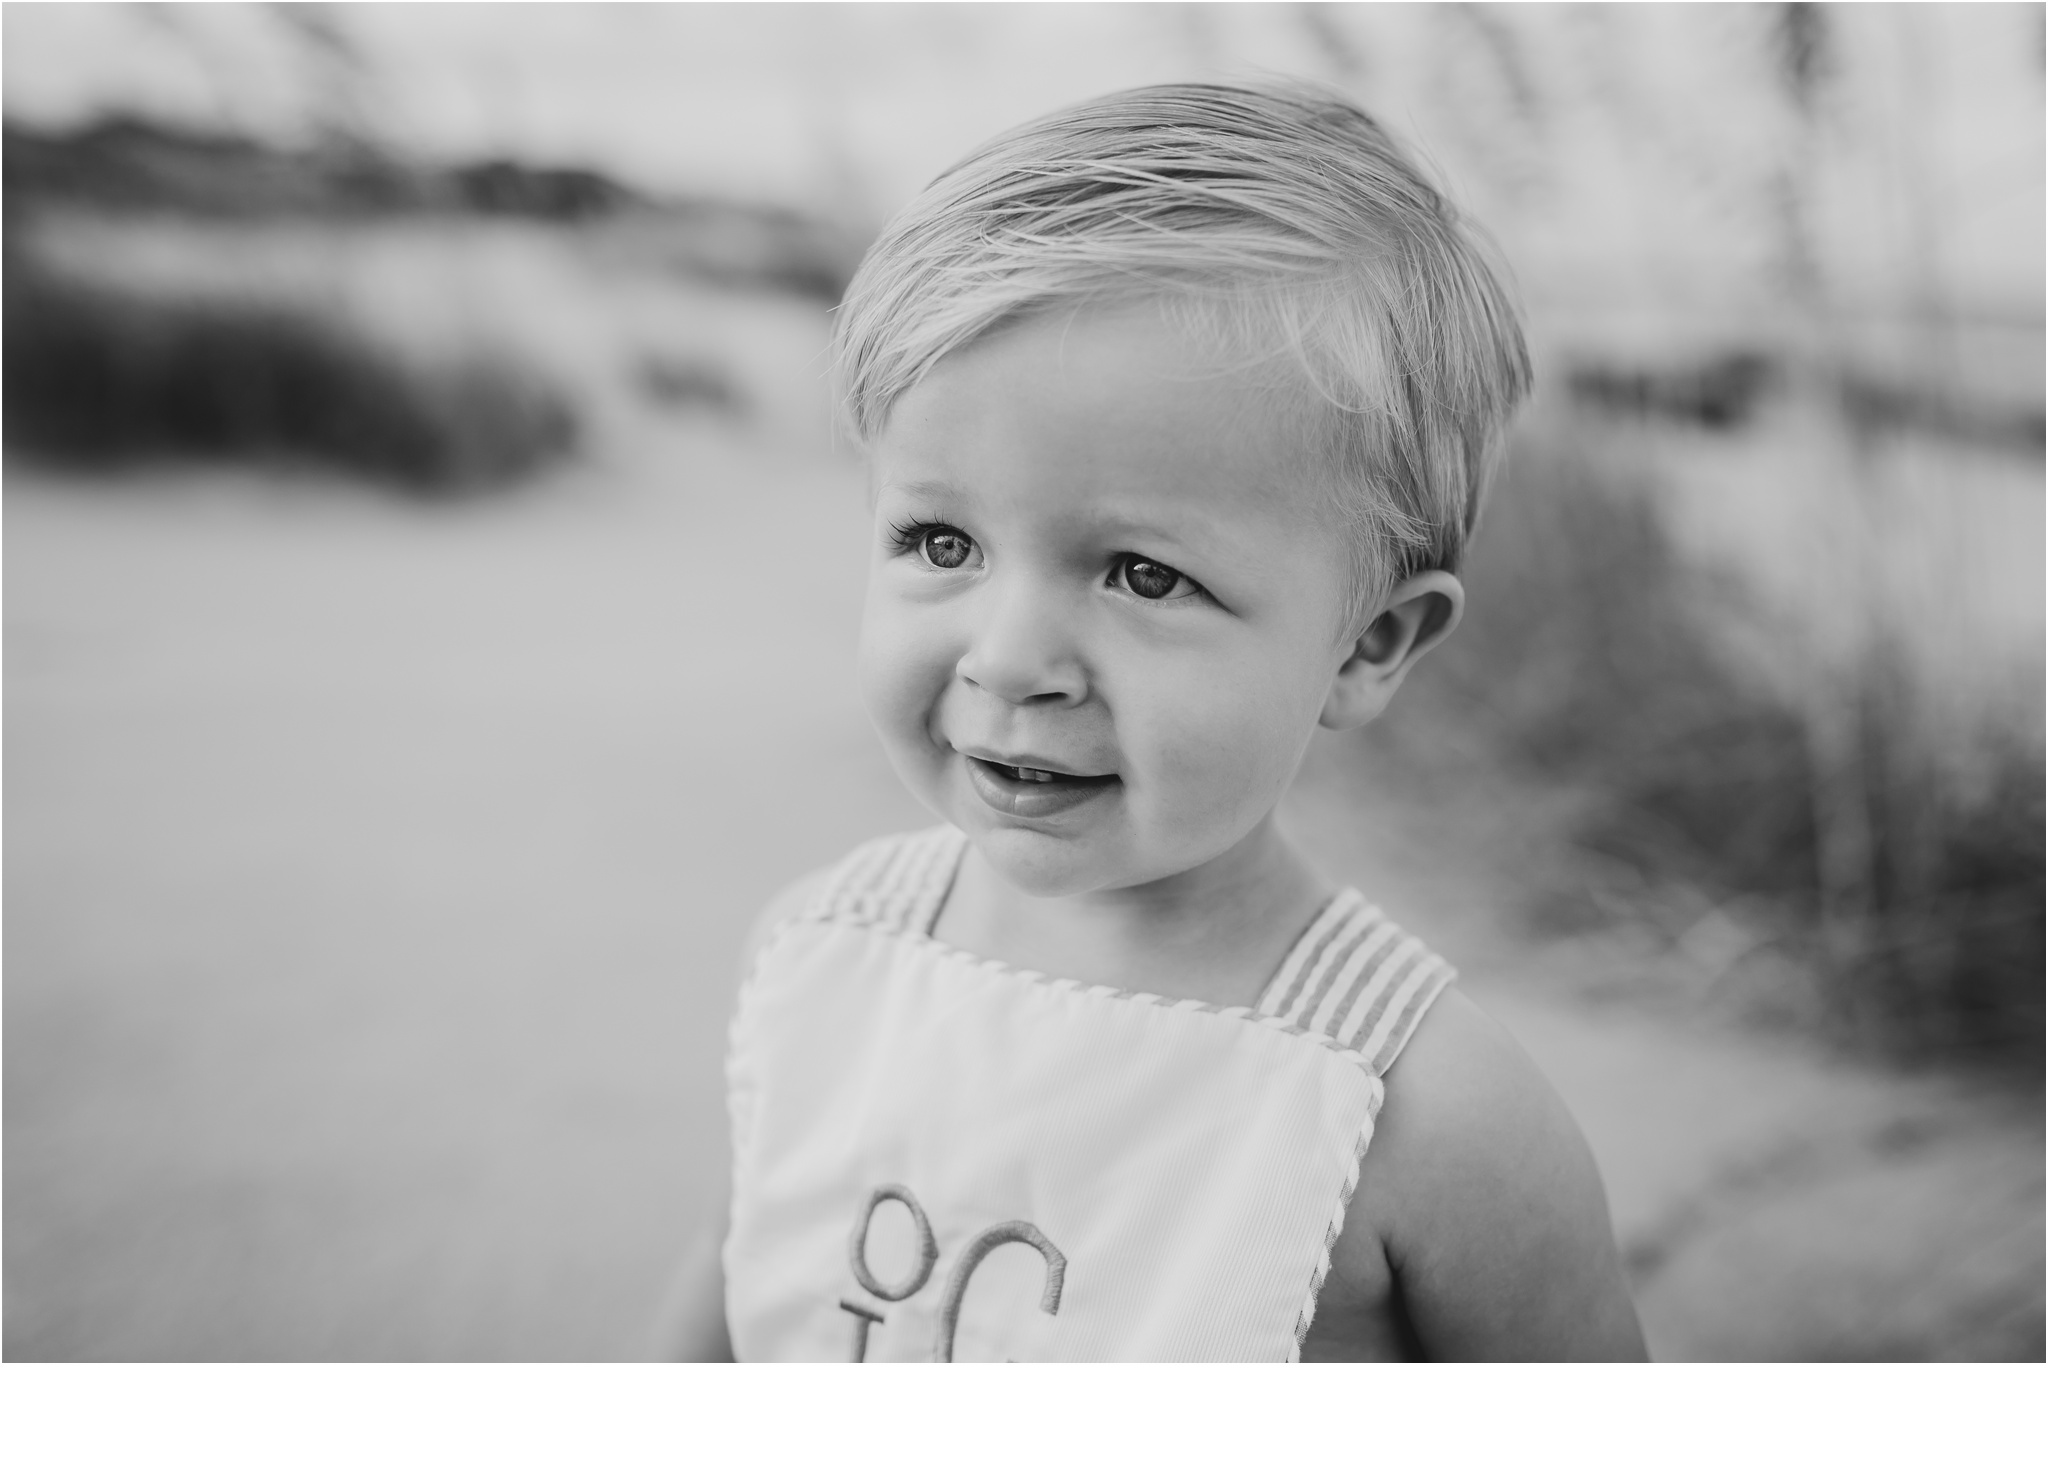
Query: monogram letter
{"type": "Point", "coordinates": [927, 1245]}
{"type": "Point", "coordinates": [963, 1269]}
{"type": "Point", "coordinates": [863, 1319]}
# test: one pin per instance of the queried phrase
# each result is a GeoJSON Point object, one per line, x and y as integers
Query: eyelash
{"type": "Point", "coordinates": [908, 537]}
{"type": "Point", "coordinates": [907, 534]}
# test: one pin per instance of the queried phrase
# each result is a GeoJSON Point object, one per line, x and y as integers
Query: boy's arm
{"type": "Point", "coordinates": [692, 1327]}
{"type": "Point", "coordinates": [1483, 1196]}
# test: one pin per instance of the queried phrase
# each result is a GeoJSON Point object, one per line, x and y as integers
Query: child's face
{"type": "Point", "coordinates": [1106, 601]}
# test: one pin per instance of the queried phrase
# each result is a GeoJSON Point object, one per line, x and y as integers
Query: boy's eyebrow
{"type": "Point", "coordinates": [925, 488]}
{"type": "Point", "coordinates": [1190, 532]}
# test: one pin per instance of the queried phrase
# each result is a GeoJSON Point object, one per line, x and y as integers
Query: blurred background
{"type": "Point", "coordinates": [431, 578]}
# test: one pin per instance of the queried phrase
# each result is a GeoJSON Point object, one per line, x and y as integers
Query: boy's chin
{"type": "Point", "coordinates": [1040, 864]}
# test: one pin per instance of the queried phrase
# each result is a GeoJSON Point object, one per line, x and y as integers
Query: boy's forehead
{"type": "Point", "coordinates": [1110, 413]}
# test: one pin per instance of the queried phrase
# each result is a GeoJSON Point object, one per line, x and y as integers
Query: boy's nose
{"type": "Point", "coordinates": [1021, 652]}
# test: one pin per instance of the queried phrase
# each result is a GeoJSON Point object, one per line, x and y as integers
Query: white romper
{"type": "Point", "coordinates": [1118, 1175]}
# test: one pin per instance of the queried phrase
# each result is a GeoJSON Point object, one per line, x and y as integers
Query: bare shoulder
{"type": "Point", "coordinates": [1466, 1106]}
{"type": "Point", "coordinates": [1480, 1201]}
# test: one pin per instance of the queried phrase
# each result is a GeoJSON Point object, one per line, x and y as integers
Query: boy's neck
{"type": "Point", "coordinates": [1216, 932]}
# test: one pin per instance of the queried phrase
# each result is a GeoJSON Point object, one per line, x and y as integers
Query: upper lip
{"type": "Point", "coordinates": [1028, 760]}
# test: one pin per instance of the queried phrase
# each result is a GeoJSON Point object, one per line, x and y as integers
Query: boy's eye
{"type": "Point", "coordinates": [1150, 580]}
{"type": "Point", "coordinates": [944, 547]}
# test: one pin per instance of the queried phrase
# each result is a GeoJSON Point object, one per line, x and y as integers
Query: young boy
{"type": "Point", "coordinates": [1179, 406]}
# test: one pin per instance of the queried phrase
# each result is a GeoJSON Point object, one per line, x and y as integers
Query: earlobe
{"type": "Point", "coordinates": [1419, 613]}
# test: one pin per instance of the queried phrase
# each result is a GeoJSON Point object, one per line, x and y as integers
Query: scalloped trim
{"type": "Point", "coordinates": [996, 968]}
{"type": "Point", "coordinates": [1307, 1315]}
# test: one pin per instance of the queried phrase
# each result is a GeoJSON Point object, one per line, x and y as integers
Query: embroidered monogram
{"type": "Point", "coordinates": [963, 1271]}
{"type": "Point", "coordinates": [863, 1319]}
{"type": "Point", "coordinates": [971, 1256]}
{"type": "Point", "coordinates": [927, 1245]}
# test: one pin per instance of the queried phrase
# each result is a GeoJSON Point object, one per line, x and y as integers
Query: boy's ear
{"type": "Point", "coordinates": [1420, 612]}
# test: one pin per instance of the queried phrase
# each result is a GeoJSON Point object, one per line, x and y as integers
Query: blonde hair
{"type": "Point", "coordinates": [1286, 222]}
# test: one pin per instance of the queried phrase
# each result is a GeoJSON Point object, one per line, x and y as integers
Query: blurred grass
{"type": "Point", "coordinates": [138, 168]}
{"type": "Point", "coordinates": [176, 295]}
{"type": "Point", "coordinates": [97, 377]}
{"type": "Point", "coordinates": [1593, 659]}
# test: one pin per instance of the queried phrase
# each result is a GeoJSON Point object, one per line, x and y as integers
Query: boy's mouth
{"type": "Point", "coordinates": [1029, 792]}
{"type": "Point", "coordinates": [1024, 773]}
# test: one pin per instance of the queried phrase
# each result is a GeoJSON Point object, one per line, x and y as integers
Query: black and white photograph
{"type": "Point", "coordinates": [1024, 683]}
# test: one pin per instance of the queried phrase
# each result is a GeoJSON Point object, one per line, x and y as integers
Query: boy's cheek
{"type": "Point", "coordinates": [1224, 753]}
{"type": "Point", "coordinates": [900, 679]}
{"type": "Point", "coordinates": [881, 687]}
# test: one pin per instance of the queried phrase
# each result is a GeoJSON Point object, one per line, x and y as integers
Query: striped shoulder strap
{"type": "Point", "coordinates": [1358, 980]}
{"type": "Point", "coordinates": [896, 883]}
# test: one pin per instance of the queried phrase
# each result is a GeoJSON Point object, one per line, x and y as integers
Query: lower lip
{"type": "Point", "coordinates": [1023, 800]}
